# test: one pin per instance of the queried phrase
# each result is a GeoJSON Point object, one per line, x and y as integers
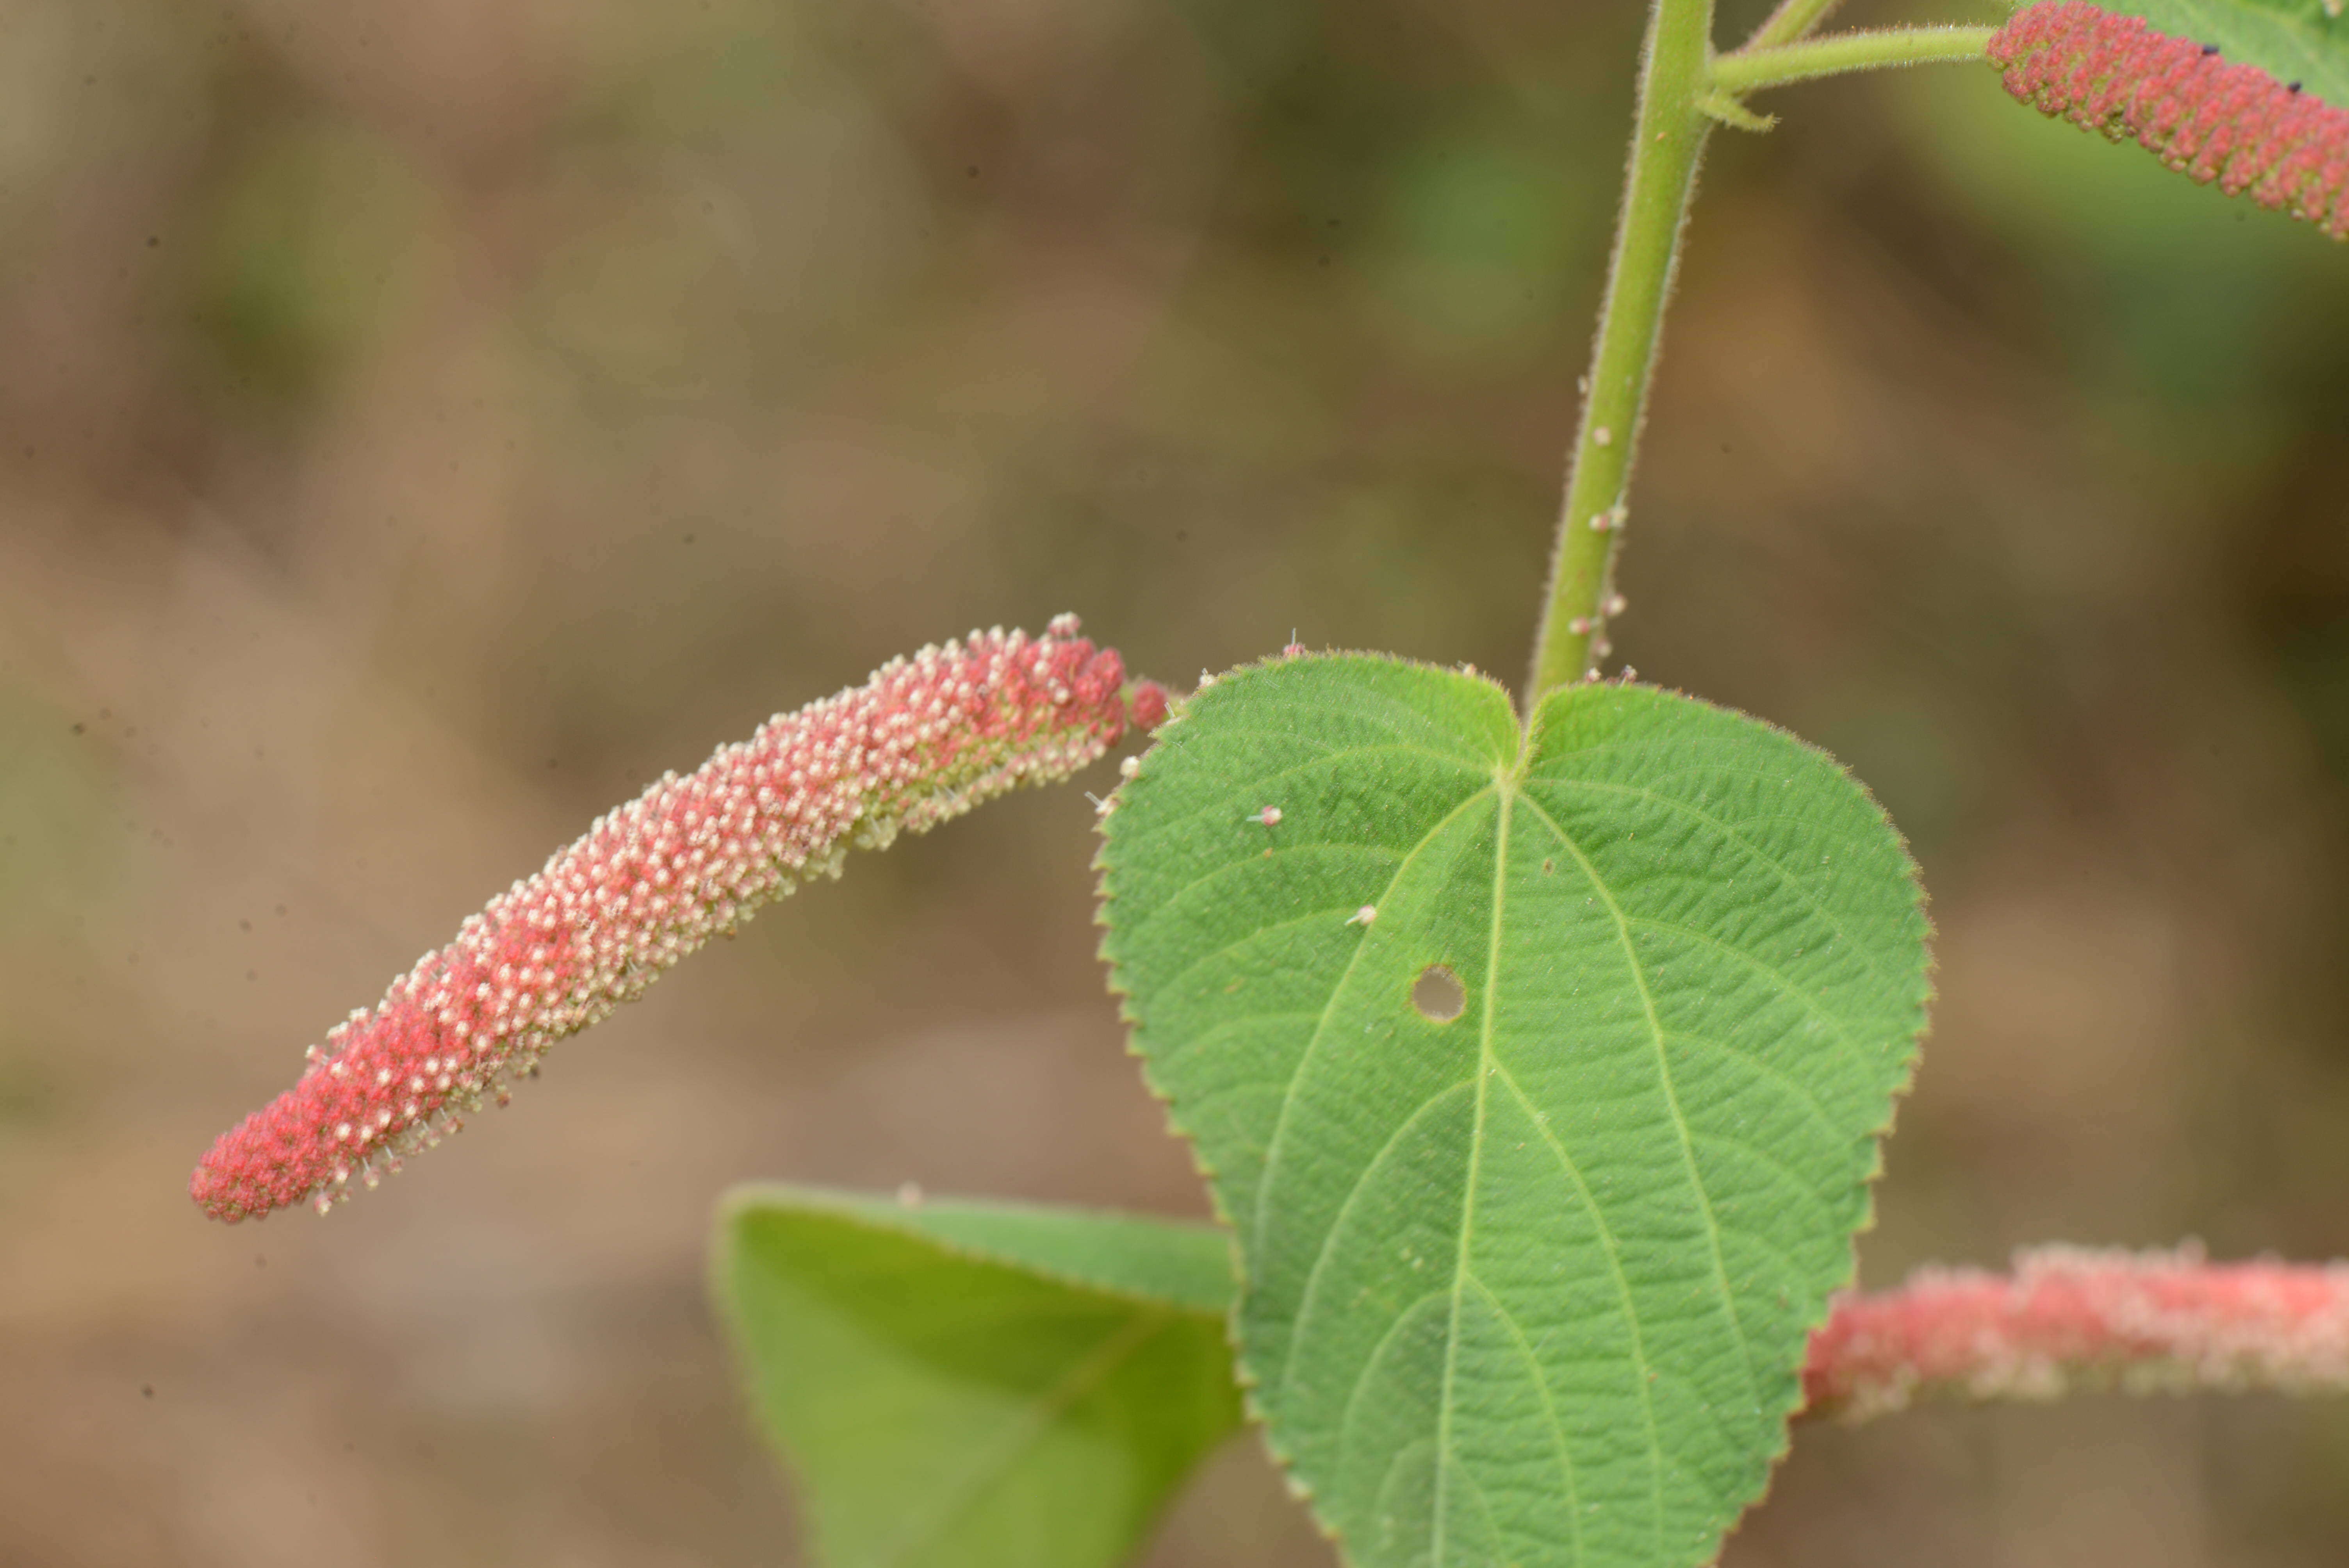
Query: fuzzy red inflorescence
{"type": "Point", "coordinates": [2069, 1317]}
{"type": "Point", "coordinates": [925, 739]}
{"type": "Point", "coordinates": [2211, 118]}
{"type": "Point", "coordinates": [1149, 704]}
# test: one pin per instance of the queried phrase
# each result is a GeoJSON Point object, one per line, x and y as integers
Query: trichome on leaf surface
{"type": "Point", "coordinates": [1536, 1274]}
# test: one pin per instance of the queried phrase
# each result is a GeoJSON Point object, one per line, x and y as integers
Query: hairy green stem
{"type": "Point", "coordinates": [1754, 67]}
{"type": "Point", "coordinates": [1667, 142]}
{"type": "Point", "coordinates": [1793, 19]}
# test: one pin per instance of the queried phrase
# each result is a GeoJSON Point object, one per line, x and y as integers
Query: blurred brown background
{"type": "Point", "coordinates": [427, 421]}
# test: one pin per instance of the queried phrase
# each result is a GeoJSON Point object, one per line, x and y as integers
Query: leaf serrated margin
{"type": "Point", "coordinates": [1819, 1301]}
{"type": "Point", "coordinates": [1178, 710]}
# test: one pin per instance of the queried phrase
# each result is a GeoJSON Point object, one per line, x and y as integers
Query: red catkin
{"type": "Point", "coordinates": [1149, 704]}
{"type": "Point", "coordinates": [925, 739]}
{"type": "Point", "coordinates": [2214, 120]}
{"type": "Point", "coordinates": [2069, 1318]}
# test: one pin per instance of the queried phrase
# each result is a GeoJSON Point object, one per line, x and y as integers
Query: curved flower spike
{"type": "Point", "coordinates": [2069, 1318]}
{"type": "Point", "coordinates": [2205, 117]}
{"type": "Point", "coordinates": [925, 739]}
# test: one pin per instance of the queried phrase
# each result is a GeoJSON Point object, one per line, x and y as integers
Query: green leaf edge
{"type": "Point", "coordinates": [894, 1216]}
{"type": "Point", "coordinates": [1178, 711]}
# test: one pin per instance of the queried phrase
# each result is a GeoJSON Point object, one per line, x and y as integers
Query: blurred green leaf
{"type": "Point", "coordinates": [317, 241]}
{"type": "Point", "coordinates": [55, 792]}
{"type": "Point", "coordinates": [968, 1385]}
{"type": "Point", "coordinates": [1528, 1268]}
{"type": "Point", "coordinates": [1476, 247]}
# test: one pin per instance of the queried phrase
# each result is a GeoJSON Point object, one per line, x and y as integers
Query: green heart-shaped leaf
{"type": "Point", "coordinates": [1530, 1284]}
{"type": "Point", "coordinates": [978, 1385]}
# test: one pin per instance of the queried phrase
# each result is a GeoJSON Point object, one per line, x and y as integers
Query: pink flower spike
{"type": "Point", "coordinates": [2070, 1318]}
{"type": "Point", "coordinates": [1149, 704]}
{"type": "Point", "coordinates": [925, 739]}
{"type": "Point", "coordinates": [2208, 118]}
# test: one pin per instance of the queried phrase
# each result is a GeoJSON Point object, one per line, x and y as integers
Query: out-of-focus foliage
{"type": "Point", "coordinates": [309, 264]}
{"type": "Point", "coordinates": [972, 1385]}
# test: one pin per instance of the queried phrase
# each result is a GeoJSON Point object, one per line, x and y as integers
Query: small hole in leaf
{"type": "Point", "coordinates": [1438, 995]}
